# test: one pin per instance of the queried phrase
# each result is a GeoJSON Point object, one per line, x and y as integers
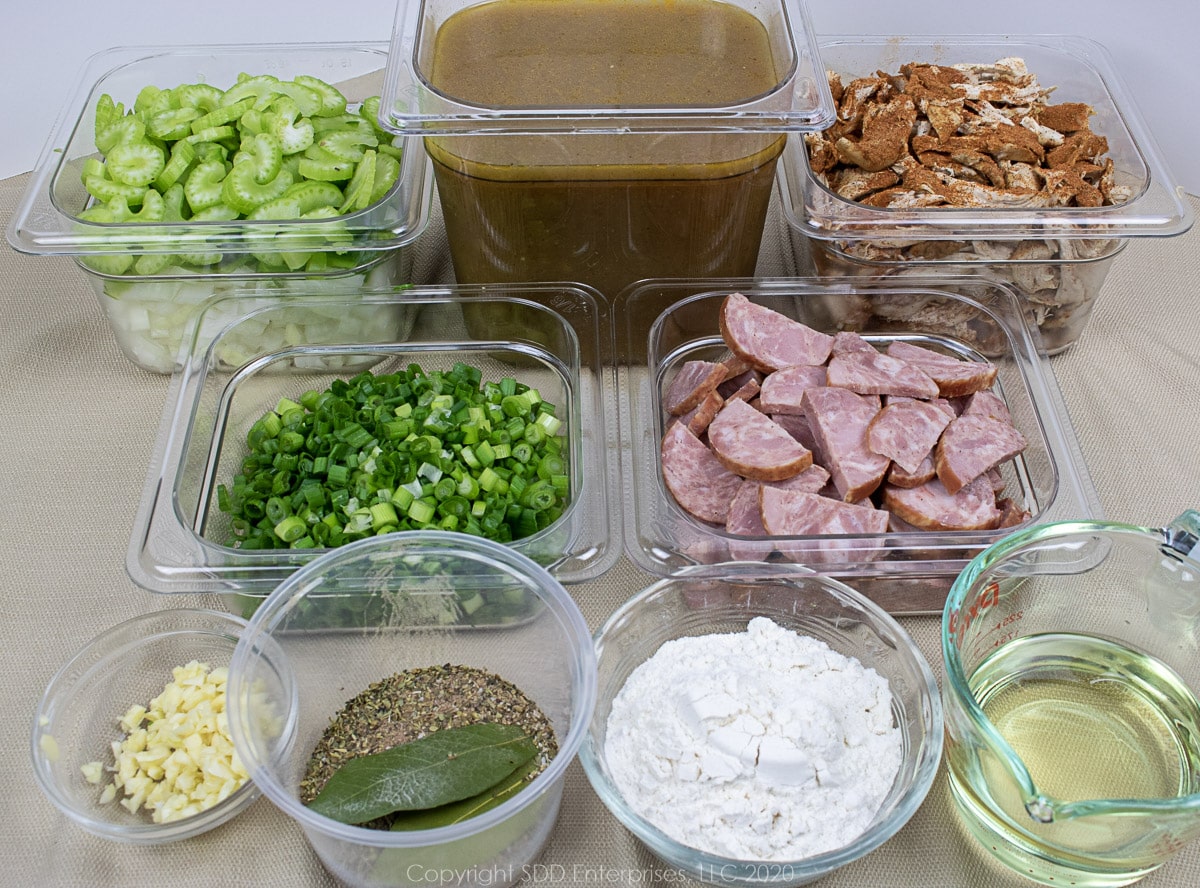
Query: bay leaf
{"type": "Point", "coordinates": [442, 767]}
{"type": "Point", "coordinates": [457, 812]}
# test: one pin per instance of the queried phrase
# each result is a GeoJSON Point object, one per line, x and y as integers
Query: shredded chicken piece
{"type": "Point", "coordinates": [972, 136]}
{"type": "Point", "coordinates": [970, 125]}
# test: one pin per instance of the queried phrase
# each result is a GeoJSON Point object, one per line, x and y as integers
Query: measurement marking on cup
{"type": "Point", "coordinates": [960, 620]}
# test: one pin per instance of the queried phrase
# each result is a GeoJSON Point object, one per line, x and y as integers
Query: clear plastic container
{"type": "Point", "coordinates": [148, 305]}
{"type": "Point", "coordinates": [1058, 287]}
{"type": "Point", "coordinates": [1056, 257]}
{"type": "Point", "coordinates": [150, 315]}
{"type": "Point", "coordinates": [548, 656]}
{"type": "Point", "coordinates": [181, 539]}
{"type": "Point", "coordinates": [906, 572]}
{"type": "Point", "coordinates": [80, 713]}
{"type": "Point", "coordinates": [702, 601]}
{"type": "Point", "coordinates": [593, 166]}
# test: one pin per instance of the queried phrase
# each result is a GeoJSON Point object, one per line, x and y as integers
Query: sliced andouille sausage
{"type": "Point", "coordinates": [749, 443]}
{"type": "Point", "coordinates": [695, 477]}
{"type": "Point", "coordinates": [691, 385]}
{"type": "Point", "coordinates": [1011, 514]}
{"type": "Point", "coordinates": [924, 472]}
{"type": "Point", "coordinates": [944, 403]}
{"type": "Point", "coordinates": [907, 431]}
{"type": "Point", "coordinates": [745, 519]}
{"type": "Point", "coordinates": [744, 516]}
{"type": "Point", "coordinates": [748, 392]}
{"type": "Point", "coordinates": [970, 446]}
{"type": "Point", "coordinates": [839, 418]}
{"type": "Point", "coordinates": [987, 403]}
{"type": "Point", "coordinates": [801, 512]}
{"type": "Point", "coordinates": [954, 377]}
{"type": "Point", "coordinates": [874, 373]}
{"type": "Point", "coordinates": [698, 418]}
{"type": "Point", "coordinates": [813, 479]}
{"type": "Point", "coordinates": [899, 525]}
{"type": "Point", "coordinates": [735, 366]}
{"type": "Point", "coordinates": [838, 526]}
{"type": "Point", "coordinates": [845, 341]}
{"type": "Point", "coordinates": [735, 381]}
{"type": "Point", "coordinates": [796, 425]}
{"type": "Point", "coordinates": [767, 339]}
{"type": "Point", "coordinates": [932, 507]}
{"type": "Point", "coordinates": [783, 389]}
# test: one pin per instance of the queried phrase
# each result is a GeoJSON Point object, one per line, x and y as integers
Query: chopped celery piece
{"type": "Point", "coordinates": [242, 149]}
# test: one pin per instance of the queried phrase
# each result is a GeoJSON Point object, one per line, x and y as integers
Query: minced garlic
{"type": "Point", "coordinates": [176, 759]}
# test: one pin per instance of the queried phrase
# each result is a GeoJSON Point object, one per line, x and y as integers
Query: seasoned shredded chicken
{"type": "Point", "coordinates": [970, 136]}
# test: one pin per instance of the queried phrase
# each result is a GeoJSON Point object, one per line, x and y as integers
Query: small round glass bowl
{"type": "Point", "coordinates": [385, 605]}
{"type": "Point", "coordinates": [703, 601]}
{"type": "Point", "coordinates": [78, 717]}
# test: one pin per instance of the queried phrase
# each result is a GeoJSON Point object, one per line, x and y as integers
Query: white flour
{"type": "Point", "coordinates": [757, 745]}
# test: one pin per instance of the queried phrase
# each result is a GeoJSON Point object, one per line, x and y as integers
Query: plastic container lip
{"type": "Point", "coordinates": [44, 224]}
{"type": "Point", "coordinates": [169, 551]}
{"type": "Point", "coordinates": [1156, 209]}
{"type": "Point", "coordinates": [801, 100]}
{"type": "Point", "coordinates": [660, 532]}
{"type": "Point", "coordinates": [367, 260]}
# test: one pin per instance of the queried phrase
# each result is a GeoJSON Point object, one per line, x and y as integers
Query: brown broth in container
{"type": "Point", "coordinates": [603, 209]}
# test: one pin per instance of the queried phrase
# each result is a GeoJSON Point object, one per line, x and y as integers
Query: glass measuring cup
{"type": "Point", "coordinates": [1072, 654]}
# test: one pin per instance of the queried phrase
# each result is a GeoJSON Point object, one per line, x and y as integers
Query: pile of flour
{"type": "Point", "coordinates": [757, 745]}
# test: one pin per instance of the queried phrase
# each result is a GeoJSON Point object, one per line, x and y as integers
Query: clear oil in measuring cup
{"type": "Point", "coordinates": [1091, 719]}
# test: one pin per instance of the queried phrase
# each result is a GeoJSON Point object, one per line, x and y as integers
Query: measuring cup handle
{"type": "Point", "coordinates": [1183, 534]}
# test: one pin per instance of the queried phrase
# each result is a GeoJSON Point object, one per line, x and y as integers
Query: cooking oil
{"type": "Point", "coordinates": [1091, 719]}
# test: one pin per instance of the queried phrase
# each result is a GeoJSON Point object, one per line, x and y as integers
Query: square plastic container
{"type": "Point", "coordinates": [1056, 257]}
{"type": "Point", "coordinates": [150, 314]}
{"type": "Point", "coordinates": [178, 264]}
{"type": "Point", "coordinates": [905, 572]}
{"type": "Point", "coordinates": [182, 540]}
{"type": "Point", "coordinates": [569, 156]}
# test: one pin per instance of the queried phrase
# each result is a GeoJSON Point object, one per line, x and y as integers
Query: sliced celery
{"type": "Point", "coordinates": [264, 149]}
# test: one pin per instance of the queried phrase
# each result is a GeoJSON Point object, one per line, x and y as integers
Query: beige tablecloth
{"type": "Point", "coordinates": [77, 424]}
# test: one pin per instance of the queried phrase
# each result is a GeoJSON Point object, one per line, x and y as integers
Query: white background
{"type": "Point", "coordinates": [44, 43]}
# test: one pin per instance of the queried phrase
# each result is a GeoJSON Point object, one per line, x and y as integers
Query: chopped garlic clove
{"type": "Point", "coordinates": [177, 758]}
{"type": "Point", "coordinates": [49, 747]}
{"type": "Point", "coordinates": [93, 772]}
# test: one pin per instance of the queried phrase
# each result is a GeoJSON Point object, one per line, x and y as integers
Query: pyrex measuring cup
{"type": "Point", "coordinates": [1072, 655]}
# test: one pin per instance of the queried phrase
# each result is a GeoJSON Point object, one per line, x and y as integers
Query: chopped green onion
{"type": "Point", "coordinates": [534, 434]}
{"type": "Point", "coordinates": [515, 405]}
{"type": "Point", "coordinates": [290, 529]}
{"type": "Point", "coordinates": [421, 512]}
{"type": "Point", "coordinates": [550, 423]}
{"type": "Point", "coordinates": [488, 479]}
{"type": "Point", "coordinates": [328, 467]}
{"type": "Point", "coordinates": [383, 514]}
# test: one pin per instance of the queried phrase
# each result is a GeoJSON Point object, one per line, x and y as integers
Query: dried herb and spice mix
{"type": "Point", "coordinates": [405, 709]}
